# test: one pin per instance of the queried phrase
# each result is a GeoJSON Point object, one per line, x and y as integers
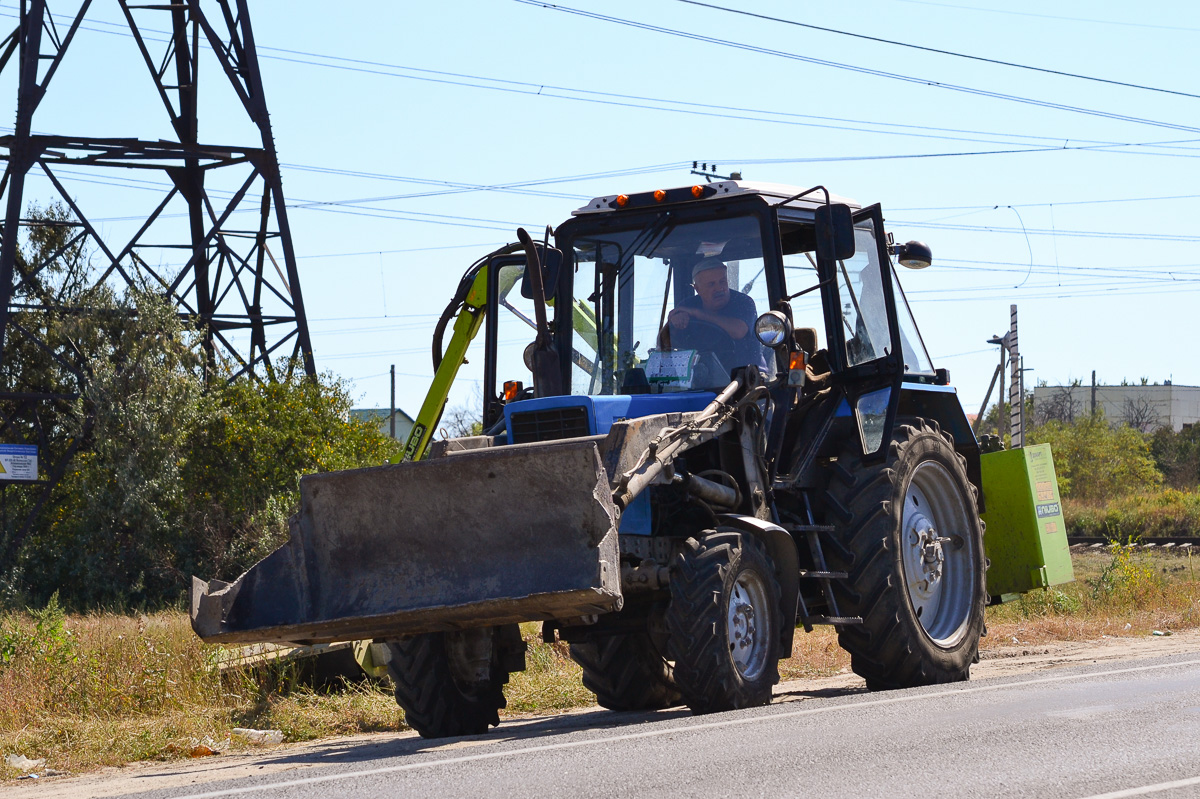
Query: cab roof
{"type": "Point", "coordinates": [772, 193]}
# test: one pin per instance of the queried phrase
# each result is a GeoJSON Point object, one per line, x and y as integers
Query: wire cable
{"type": "Point", "coordinates": [857, 69]}
{"type": "Point", "coordinates": [936, 50]}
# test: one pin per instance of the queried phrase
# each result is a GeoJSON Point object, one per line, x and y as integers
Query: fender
{"type": "Point", "coordinates": [782, 548]}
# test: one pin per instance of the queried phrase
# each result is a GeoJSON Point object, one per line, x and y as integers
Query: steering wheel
{"type": "Point", "coordinates": [700, 335]}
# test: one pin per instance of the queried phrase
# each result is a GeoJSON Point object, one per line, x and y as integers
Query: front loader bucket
{"type": "Point", "coordinates": [490, 536]}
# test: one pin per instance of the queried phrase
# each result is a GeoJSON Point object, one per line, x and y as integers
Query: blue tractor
{"type": "Point", "coordinates": [709, 419]}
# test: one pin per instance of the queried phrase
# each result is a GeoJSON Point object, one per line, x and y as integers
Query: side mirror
{"type": "Point", "coordinates": [835, 232]}
{"type": "Point", "coordinates": [551, 260]}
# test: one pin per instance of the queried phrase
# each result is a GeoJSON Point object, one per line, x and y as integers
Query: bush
{"type": "Point", "coordinates": [1177, 455]}
{"type": "Point", "coordinates": [1161, 514]}
{"type": "Point", "coordinates": [246, 456]}
{"type": "Point", "coordinates": [1096, 462]}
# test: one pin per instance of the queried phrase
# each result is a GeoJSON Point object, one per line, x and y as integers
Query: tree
{"type": "Point", "coordinates": [1141, 413]}
{"type": "Point", "coordinates": [171, 477]}
{"type": "Point", "coordinates": [1059, 404]}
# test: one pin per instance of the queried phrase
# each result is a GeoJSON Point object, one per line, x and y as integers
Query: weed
{"type": "Point", "coordinates": [1125, 577]}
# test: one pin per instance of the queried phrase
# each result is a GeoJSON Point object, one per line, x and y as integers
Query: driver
{"type": "Point", "coordinates": [732, 311]}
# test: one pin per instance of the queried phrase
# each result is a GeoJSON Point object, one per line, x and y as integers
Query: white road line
{"type": "Point", "coordinates": [708, 725]}
{"type": "Point", "coordinates": [1145, 789]}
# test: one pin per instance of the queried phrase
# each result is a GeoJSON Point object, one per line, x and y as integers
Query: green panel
{"type": "Point", "coordinates": [1026, 537]}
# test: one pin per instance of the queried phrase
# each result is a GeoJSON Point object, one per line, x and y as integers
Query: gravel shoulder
{"type": "Point", "coordinates": [1001, 661]}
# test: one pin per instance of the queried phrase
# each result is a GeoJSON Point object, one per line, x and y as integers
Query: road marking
{"type": "Point", "coordinates": [1145, 789]}
{"type": "Point", "coordinates": [709, 725]}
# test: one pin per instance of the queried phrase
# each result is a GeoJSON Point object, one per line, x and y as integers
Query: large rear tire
{"type": "Point", "coordinates": [626, 672]}
{"type": "Point", "coordinates": [912, 544]}
{"type": "Point", "coordinates": [449, 684]}
{"type": "Point", "coordinates": [724, 622]}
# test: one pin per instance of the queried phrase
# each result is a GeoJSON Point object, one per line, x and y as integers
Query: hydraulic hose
{"type": "Point", "coordinates": [460, 296]}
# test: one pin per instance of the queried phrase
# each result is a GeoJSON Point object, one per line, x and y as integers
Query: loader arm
{"type": "Point", "coordinates": [469, 310]}
{"type": "Point", "coordinates": [466, 327]}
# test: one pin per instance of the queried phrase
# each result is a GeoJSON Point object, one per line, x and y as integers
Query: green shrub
{"type": "Point", "coordinates": [1165, 513]}
{"type": "Point", "coordinates": [1095, 461]}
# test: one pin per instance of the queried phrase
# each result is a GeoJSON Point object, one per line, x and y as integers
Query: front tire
{"type": "Point", "coordinates": [626, 672]}
{"type": "Point", "coordinates": [912, 544]}
{"type": "Point", "coordinates": [724, 622]}
{"type": "Point", "coordinates": [449, 684]}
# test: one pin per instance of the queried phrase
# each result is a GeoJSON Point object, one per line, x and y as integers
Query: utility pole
{"type": "Point", "coordinates": [1024, 369]}
{"type": "Point", "coordinates": [392, 415]}
{"type": "Point", "coordinates": [1093, 392]}
{"type": "Point", "coordinates": [1002, 341]}
{"type": "Point", "coordinates": [1016, 404]}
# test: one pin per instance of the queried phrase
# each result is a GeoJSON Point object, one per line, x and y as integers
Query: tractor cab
{"type": "Point", "coordinates": [668, 292]}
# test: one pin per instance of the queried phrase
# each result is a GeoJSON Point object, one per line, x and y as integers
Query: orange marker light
{"type": "Point", "coordinates": [660, 195]}
{"type": "Point", "coordinates": [796, 361]}
{"type": "Point", "coordinates": [697, 191]}
{"type": "Point", "coordinates": [622, 200]}
{"type": "Point", "coordinates": [511, 389]}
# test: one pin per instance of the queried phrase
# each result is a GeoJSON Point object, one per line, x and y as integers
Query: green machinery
{"type": "Point", "coordinates": [1026, 536]}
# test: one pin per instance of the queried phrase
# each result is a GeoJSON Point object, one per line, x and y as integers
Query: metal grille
{"type": "Point", "coordinates": [549, 424]}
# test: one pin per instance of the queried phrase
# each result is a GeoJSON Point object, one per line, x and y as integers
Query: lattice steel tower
{"type": "Point", "coordinates": [239, 281]}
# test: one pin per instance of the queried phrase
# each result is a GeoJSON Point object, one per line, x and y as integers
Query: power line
{"type": "Point", "coordinates": [1046, 204]}
{"type": "Point", "coordinates": [616, 99]}
{"type": "Point", "coordinates": [937, 50]}
{"type": "Point", "coordinates": [1094, 234]}
{"type": "Point", "coordinates": [857, 69]}
{"type": "Point", "coordinates": [1175, 28]}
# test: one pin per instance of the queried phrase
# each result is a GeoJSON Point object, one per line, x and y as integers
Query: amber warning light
{"type": "Point", "coordinates": [622, 200]}
{"type": "Point", "coordinates": [511, 389]}
{"type": "Point", "coordinates": [660, 195]}
{"type": "Point", "coordinates": [796, 363]}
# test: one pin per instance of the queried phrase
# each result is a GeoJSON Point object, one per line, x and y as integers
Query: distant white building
{"type": "Point", "coordinates": [1146, 408]}
{"type": "Point", "coordinates": [379, 416]}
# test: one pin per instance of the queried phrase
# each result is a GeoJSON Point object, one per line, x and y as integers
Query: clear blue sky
{"type": "Point", "coordinates": [1086, 221]}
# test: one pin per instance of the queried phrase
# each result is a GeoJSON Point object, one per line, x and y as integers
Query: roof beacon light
{"type": "Point", "coordinates": [697, 191]}
{"type": "Point", "coordinates": [659, 196]}
{"type": "Point", "coordinates": [622, 200]}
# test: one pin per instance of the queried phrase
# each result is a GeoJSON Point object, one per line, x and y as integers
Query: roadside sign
{"type": "Point", "coordinates": [18, 462]}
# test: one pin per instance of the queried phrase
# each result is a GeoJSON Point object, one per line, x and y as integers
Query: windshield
{"type": "Point", "coordinates": [684, 294]}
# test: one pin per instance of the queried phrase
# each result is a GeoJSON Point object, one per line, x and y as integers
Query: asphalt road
{"type": "Point", "coordinates": [1107, 730]}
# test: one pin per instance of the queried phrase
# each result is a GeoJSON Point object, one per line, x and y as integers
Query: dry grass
{"type": "Point", "coordinates": [1119, 592]}
{"type": "Point", "coordinates": [90, 691]}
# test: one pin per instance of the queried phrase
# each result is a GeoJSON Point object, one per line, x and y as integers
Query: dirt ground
{"type": "Point", "coordinates": [1002, 661]}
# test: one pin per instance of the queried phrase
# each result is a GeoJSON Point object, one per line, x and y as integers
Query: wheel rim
{"type": "Point", "coordinates": [938, 553]}
{"type": "Point", "coordinates": [747, 625]}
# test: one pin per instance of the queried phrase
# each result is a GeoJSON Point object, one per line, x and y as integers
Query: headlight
{"type": "Point", "coordinates": [772, 329]}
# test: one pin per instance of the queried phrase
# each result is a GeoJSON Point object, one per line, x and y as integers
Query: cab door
{"type": "Point", "coordinates": [863, 331]}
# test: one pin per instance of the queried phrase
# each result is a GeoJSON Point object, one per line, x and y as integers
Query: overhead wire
{"type": "Point", "coordinates": [627, 100]}
{"type": "Point", "coordinates": [729, 43]}
{"type": "Point", "coordinates": [1012, 12]}
{"type": "Point", "coordinates": [938, 51]}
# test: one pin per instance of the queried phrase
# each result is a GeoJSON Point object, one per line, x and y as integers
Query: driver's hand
{"type": "Point", "coordinates": [679, 318]}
